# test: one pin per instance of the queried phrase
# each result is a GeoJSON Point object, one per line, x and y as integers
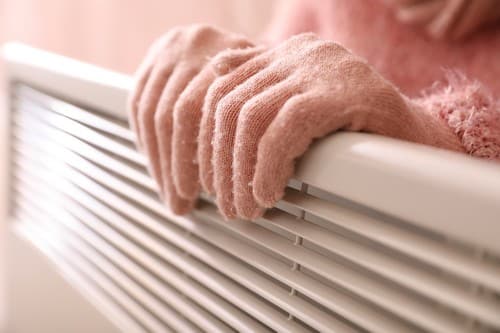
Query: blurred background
{"type": "Point", "coordinates": [113, 34]}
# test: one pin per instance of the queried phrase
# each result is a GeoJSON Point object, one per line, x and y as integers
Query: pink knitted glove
{"type": "Point", "coordinates": [258, 119]}
{"type": "Point", "coordinates": [448, 18]}
{"type": "Point", "coordinates": [165, 106]}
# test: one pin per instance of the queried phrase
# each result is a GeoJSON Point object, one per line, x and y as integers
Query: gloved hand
{"type": "Point", "coordinates": [262, 116]}
{"type": "Point", "coordinates": [165, 106]}
{"type": "Point", "coordinates": [453, 19]}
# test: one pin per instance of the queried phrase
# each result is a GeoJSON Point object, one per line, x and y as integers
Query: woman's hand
{"type": "Point", "coordinates": [261, 117]}
{"type": "Point", "coordinates": [165, 106]}
{"type": "Point", "coordinates": [209, 107]}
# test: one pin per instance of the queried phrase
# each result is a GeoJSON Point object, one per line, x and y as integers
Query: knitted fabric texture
{"type": "Point", "coordinates": [260, 118]}
{"type": "Point", "coordinates": [170, 87]}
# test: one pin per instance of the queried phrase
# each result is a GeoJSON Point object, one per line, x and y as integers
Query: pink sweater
{"type": "Point", "coordinates": [458, 81]}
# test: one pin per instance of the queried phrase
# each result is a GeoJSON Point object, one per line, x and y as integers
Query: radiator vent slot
{"type": "Point", "coordinates": [316, 262]}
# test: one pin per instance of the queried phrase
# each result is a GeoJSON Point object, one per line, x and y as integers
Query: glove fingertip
{"type": "Point", "coordinates": [272, 173]}
{"type": "Point", "coordinates": [188, 190]}
{"type": "Point", "coordinates": [267, 194]}
{"type": "Point", "coordinates": [180, 206]}
{"type": "Point", "coordinates": [251, 213]}
{"type": "Point", "coordinates": [227, 213]}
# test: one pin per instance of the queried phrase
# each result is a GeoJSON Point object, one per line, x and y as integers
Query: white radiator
{"type": "Point", "coordinates": [373, 235]}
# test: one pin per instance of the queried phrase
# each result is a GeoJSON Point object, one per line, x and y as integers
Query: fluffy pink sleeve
{"type": "Point", "coordinates": [470, 111]}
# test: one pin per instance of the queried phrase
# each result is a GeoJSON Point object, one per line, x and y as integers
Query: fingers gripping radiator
{"type": "Point", "coordinates": [339, 254]}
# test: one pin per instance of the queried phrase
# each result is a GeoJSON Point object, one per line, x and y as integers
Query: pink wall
{"type": "Point", "coordinates": [115, 33]}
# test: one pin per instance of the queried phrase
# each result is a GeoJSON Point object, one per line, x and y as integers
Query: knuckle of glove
{"type": "Point", "coordinates": [202, 34]}
{"type": "Point", "coordinates": [213, 40]}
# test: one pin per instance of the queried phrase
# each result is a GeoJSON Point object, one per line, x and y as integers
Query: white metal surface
{"type": "Point", "coordinates": [374, 234]}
